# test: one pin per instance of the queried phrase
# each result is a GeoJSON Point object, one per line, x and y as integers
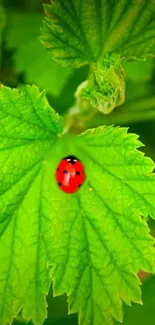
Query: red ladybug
{"type": "Point", "coordinates": [70, 174]}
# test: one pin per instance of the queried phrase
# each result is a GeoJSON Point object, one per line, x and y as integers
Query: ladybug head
{"type": "Point", "coordinates": [71, 159]}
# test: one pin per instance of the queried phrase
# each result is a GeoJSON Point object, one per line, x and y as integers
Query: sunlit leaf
{"type": "Point", "coordinates": [91, 243]}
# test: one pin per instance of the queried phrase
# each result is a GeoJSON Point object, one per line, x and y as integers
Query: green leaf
{"type": "Point", "coordinates": [30, 57]}
{"type": "Point", "coordinates": [142, 315]}
{"type": "Point", "coordinates": [79, 32]}
{"type": "Point", "coordinates": [91, 243]}
{"type": "Point", "coordinates": [132, 29]}
{"type": "Point", "coordinates": [29, 128]}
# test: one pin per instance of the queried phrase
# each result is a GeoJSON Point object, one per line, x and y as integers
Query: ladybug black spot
{"type": "Point", "coordinates": [77, 173]}
{"type": "Point", "coordinates": [65, 172]}
{"type": "Point", "coordinates": [59, 184]}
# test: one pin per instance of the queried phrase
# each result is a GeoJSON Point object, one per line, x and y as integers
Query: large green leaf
{"type": "Point", "coordinates": [29, 128]}
{"type": "Point", "coordinates": [30, 57]}
{"type": "Point", "coordinates": [91, 243]}
{"type": "Point", "coordinates": [78, 32]}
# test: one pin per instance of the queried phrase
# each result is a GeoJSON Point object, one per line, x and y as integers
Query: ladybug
{"type": "Point", "coordinates": [70, 174]}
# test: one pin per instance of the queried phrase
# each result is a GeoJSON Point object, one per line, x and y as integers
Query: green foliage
{"type": "Point", "coordinates": [76, 33]}
{"type": "Point", "coordinates": [91, 244]}
{"type": "Point", "coordinates": [29, 127]}
{"type": "Point", "coordinates": [122, 30]}
{"type": "Point", "coordinates": [42, 227]}
{"type": "Point", "coordinates": [30, 57]}
{"type": "Point", "coordinates": [106, 86]}
{"type": "Point", "coordinates": [142, 314]}
{"type": "Point", "coordinates": [139, 96]}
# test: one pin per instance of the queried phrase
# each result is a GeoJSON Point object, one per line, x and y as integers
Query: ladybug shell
{"type": "Point", "coordinates": [70, 174]}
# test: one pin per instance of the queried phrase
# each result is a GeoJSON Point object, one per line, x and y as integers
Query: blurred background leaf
{"type": "Point", "coordinates": [30, 57]}
{"type": "Point", "coordinates": [138, 70]}
{"type": "Point", "coordinates": [139, 76]}
{"type": "Point", "coordinates": [2, 24]}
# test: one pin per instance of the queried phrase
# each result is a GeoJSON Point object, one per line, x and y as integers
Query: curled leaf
{"type": "Point", "coordinates": [105, 88]}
